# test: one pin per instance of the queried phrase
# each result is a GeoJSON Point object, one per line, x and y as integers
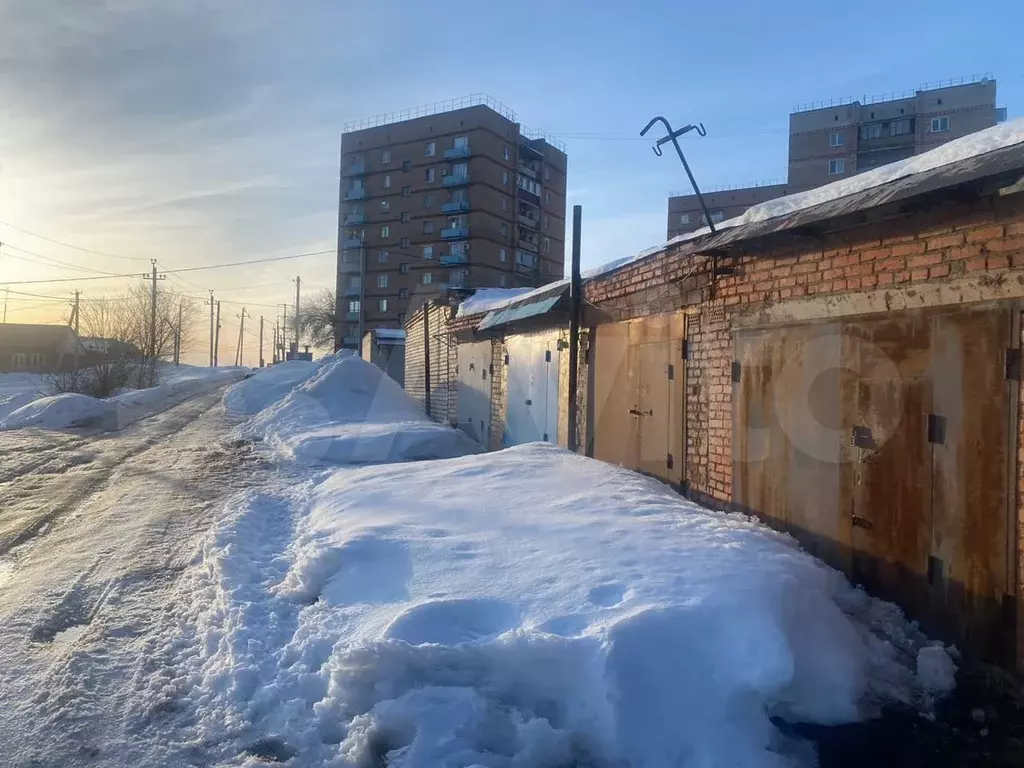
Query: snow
{"type": "Point", "coordinates": [18, 389]}
{"type": "Point", "coordinates": [266, 386]}
{"type": "Point", "coordinates": [486, 299]}
{"type": "Point", "coordinates": [936, 670]}
{"type": "Point", "coordinates": [528, 607]}
{"type": "Point", "coordinates": [72, 410]}
{"type": "Point", "coordinates": [350, 412]}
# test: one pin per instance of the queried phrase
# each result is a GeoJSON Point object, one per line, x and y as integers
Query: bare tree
{"type": "Point", "coordinates": [318, 319]}
{"type": "Point", "coordinates": [120, 347]}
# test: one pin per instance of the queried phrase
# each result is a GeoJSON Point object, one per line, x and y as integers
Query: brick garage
{"type": "Point", "coordinates": [929, 270]}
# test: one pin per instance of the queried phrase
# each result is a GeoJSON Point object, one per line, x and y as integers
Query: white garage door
{"type": "Point", "coordinates": [532, 391]}
{"type": "Point", "coordinates": [474, 399]}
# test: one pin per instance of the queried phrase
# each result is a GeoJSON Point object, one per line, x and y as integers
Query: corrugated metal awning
{"type": "Point", "coordinates": [538, 306]}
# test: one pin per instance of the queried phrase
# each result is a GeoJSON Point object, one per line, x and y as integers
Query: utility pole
{"type": "Point", "coordinates": [277, 342]}
{"type": "Point", "coordinates": [177, 338]}
{"type": "Point", "coordinates": [152, 317]}
{"type": "Point", "coordinates": [7, 293]}
{"type": "Point", "coordinates": [241, 339]}
{"type": "Point", "coordinates": [575, 286]}
{"type": "Point", "coordinates": [284, 332]}
{"type": "Point", "coordinates": [298, 284]}
{"type": "Point", "coordinates": [78, 342]}
{"type": "Point", "coordinates": [216, 339]}
{"type": "Point", "coordinates": [210, 302]}
{"type": "Point", "coordinates": [261, 341]}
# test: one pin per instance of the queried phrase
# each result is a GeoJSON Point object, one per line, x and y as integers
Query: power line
{"type": "Point", "coordinates": [48, 261]}
{"type": "Point", "coordinates": [69, 245]}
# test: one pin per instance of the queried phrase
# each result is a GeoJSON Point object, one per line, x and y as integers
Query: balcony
{"type": "Point", "coordinates": [349, 267]}
{"type": "Point", "coordinates": [527, 171]}
{"type": "Point", "coordinates": [356, 217]}
{"type": "Point", "coordinates": [352, 316]}
{"type": "Point", "coordinates": [454, 258]}
{"type": "Point", "coordinates": [456, 181]}
{"type": "Point", "coordinates": [355, 194]}
{"type": "Point", "coordinates": [457, 153]}
{"type": "Point", "coordinates": [350, 341]}
{"type": "Point", "coordinates": [524, 269]}
{"type": "Point", "coordinates": [356, 168]}
{"type": "Point", "coordinates": [528, 245]}
{"type": "Point", "coordinates": [351, 241]}
{"type": "Point", "coordinates": [455, 233]}
{"type": "Point", "coordinates": [530, 221]}
{"type": "Point", "coordinates": [352, 289]}
{"type": "Point", "coordinates": [455, 206]}
{"type": "Point", "coordinates": [458, 281]}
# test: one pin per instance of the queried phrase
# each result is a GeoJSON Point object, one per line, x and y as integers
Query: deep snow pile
{"type": "Point", "coordinates": [70, 410]}
{"type": "Point", "coordinates": [351, 412]}
{"type": "Point", "coordinates": [522, 608]}
{"type": "Point", "coordinates": [18, 389]}
{"type": "Point", "coordinates": [266, 386]}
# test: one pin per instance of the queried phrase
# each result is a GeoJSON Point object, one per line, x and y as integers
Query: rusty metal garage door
{"type": "Point", "coordinates": [885, 445]}
{"type": "Point", "coordinates": [639, 386]}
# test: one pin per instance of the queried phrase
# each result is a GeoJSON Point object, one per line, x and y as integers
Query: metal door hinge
{"type": "Point", "coordinates": [684, 349]}
{"type": "Point", "coordinates": [669, 462]}
{"type": "Point", "coordinates": [671, 372]}
{"type": "Point", "coordinates": [936, 429]}
{"type": "Point", "coordinates": [861, 522]}
{"type": "Point", "coordinates": [547, 355]}
{"type": "Point", "coordinates": [1013, 364]}
{"type": "Point", "coordinates": [737, 369]}
{"type": "Point", "coordinates": [862, 438]}
{"type": "Point", "coordinates": [506, 358]}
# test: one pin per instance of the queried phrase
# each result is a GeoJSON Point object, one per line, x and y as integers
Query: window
{"type": "Point", "coordinates": [837, 166]}
{"type": "Point", "coordinates": [406, 191]}
{"type": "Point", "coordinates": [871, 131]}
{"type": "Point", "coordinates": [405, 242]}
{"type": "Point", "coordinates": [403, 268]}
{"type": "Point", "coordinates": [382, 305]}
{"type": "Point", "coordinates": [939, 124]}
{"type": "Point", "coordinates": [387, 181]}
{"type": "Point", "coordinates": [504, 178]}
{"type": "Point", "coordinates": [403, 293]}
{"type": "Point", "coordinates": [385, 206]}
{"type": "Point", "coordinates": [507, 152]}
{"type": "Point", "coordinates": [382, 281]}
{"type": "Point", "coordinates": [502, 255]}
{"type": "Point", "coordinates": [18, 360]}
{"type": "Point", "coordinates": [460, 142]}
{"type": "Point", "coordinates": [547, 197]}
{"type": "Point", "coordinates": [426, 278]}
{"type": "Point", "coordinates": [503, 281]}
{"type": "Point", "coordinates": [430, 149]}
{"type": "Point", "coordinates": [528, 184]}
{"type": "Point", "coordinates": [835, 139]}
{"type": "Point", "coordinates": [684, 218]}
{"type": "Point", "coordinates": [385, 156]}
{"type": "Point", "coordinates": [459, 249]}
{"type": "Point", "coordinates": [353, 305]}
{"type": "Point", "coordinates": [405, 217]}
{"type": "Point", "coordinates": [901, 127]}
{"type": "Point", "coordinates": [717, 216]}
{"type": "Point", "coordinates": [547, 245]}
{"type": "Point", "coordinates": [428, 200]}
{"type": "Point", "coordinates": [382, 257]}
{"type": "Point", "coordinates": [385, 231]}
{"type": "Point", "coordinates": [504, 229]}
{"type": "Point", "coordinates": [547, 173]}
{"type": "Point", "coordinates": [504, 203]}
{"type": "Point", "coordinates": [547, 222]}
{"type": "Point", "coordinates": [430, 175]}
{"type": "Point", "coordinates": [428, 227]}
{"type": "Point", "coordinates": [406, 166]}
{"type": "Point", "coordinates": [428, 252]}
{"type": "Point", "coordinates": [460, 170]}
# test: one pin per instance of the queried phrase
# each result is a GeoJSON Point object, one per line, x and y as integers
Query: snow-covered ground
{"type": "Point", "coordinates": [524, 608]}
{"type": "Point", "coordinates": [70, 410]}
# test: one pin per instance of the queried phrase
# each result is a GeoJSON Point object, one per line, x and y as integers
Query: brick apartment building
{"type": "Point", "coordinates": [840, 138]}
{"type": "Point", "coordinates": [455, 195]}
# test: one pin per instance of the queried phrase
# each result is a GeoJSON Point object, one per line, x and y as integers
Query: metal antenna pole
{"type": "Point", "coordinates": [673, 136]}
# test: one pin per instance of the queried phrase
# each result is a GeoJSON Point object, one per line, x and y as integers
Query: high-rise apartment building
{"type": "Point", "coordinates": [832, 140]}
{"type": "Point", "coordinates": [457, 195]}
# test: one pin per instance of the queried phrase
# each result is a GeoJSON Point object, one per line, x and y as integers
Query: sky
{"type": "Point", "coordinates": [200, 132]}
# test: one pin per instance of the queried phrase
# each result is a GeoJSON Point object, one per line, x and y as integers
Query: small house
{"type": "Point", "coordinates": [33, 348]}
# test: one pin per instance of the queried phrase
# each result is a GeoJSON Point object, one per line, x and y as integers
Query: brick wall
{"type": "Point", "coordinates": [415, 370]}
{"type": "Point", "coordinates": [499, 381]}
